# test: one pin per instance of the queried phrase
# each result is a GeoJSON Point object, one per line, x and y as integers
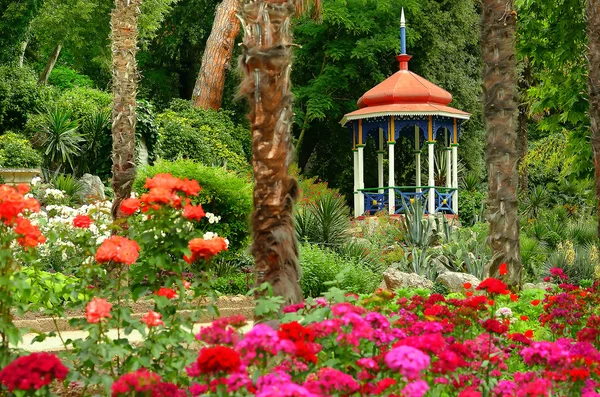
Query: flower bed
{"type": "Point", "coordinates": [488, 342]}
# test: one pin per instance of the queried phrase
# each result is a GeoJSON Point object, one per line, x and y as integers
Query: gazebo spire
{"type": "Point", "coordinates": [402, 33]}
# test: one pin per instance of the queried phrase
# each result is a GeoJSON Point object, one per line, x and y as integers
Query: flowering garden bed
{"type": "Point", "coordinates": [487, 342]}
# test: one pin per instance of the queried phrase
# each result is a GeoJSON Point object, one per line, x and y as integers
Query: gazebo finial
{"type": "Point", "coordinates": [402, 33]}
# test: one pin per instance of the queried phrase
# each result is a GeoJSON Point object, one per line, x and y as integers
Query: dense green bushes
{"type": "Point", "coordinates": [223, 193]}
{"type": "Point", "coordinates": [16, 152]}
{"type": "Point", "coordinates": [470, 205]}
{"type": "Point", "coordinates": [206, 136]}
{"type": "Point", "coordinates": [19, 96]}
{"type": "Point", "coordinates": [67, 78]}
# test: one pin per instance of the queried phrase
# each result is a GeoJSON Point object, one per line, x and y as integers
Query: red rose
{"type": "Point", "coordinates": [218, 359]}
{"type": "Point", "coordinates": [166, 292]}
{"type": "Point", "coordinates": [97, 309]}
{"type": "Point", "coordinates": [82, 221]}
{"type": "Point", "coordinates": [130, 206]}
{"type": "Point", "coordinates": [141, 381]}
{"type": "Point", "coordinates": [32, 372]}
{"type": "Point", "coordinates": [192, 212]}
{"type": "Point", "coordinates": [494, 326]}
{"type": "Point", "coordinates": [118, 249]}
{"type": "Point", "coordinates": [503, 269]}
{"type": "Point", "coordinates": [205, 249]}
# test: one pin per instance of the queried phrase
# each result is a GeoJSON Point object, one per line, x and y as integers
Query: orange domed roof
{"type": "Point", "coordinates": [405, 87]}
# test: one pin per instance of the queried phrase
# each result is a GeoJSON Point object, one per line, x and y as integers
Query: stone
{"type": "Point", "coordinates": [543, 286]}
{"type": "Point", "coordinates": [395, 279]}
{"type": "Point", "coordinates": [93, 188]}
{"type": "Point", "coordinates": [454, 281]}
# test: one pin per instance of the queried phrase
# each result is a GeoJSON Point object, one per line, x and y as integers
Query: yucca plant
{"type": "Point", "coordinates": [583, 231]}
{"type": "Point", "coordinates": [60, 140]}
{"type": "Point", "coordinates": [70, 185]}
{"type": "Point", "coordinates": [535, 201]}
{"type": "Point", "coordinates": [470, 182]}
{"type": "Point", "coordinates": [325, 222]}
{"type": "Point", "coordinates": [532, 255]}
{"type": "Point", "coordinates": [95, 129]}
{"type": "Point", "coordinates": [417, 227]}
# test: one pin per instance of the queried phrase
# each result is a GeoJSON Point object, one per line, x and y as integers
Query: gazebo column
{"type": "Point", "coordinates": [418, 158]}
{"type": "Point", "coordinates": [455, 168]}
{"type": "Point", "coordinates": [431, 179]}
{"type": "Point", "coordinates": [391, 175]}
{"type": "Point", "coordinates": [356, 207]}
{"type": "Point", "coordinates": [380, 152]}
{"type": "Point", "coordinates": [449, 165]}
{"type": "Point", "coordinates": [361, 179]}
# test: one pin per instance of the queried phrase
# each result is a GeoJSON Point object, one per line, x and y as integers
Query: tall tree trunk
{"type": "Point", "coordinates": [24, 47]}
{"type": "Point", "coordinates": [124, 69]}
{"type": "Point", "coordinates": [593, 20]}
{"type": "Point", "coordinates": [266, 64]}
{"type": "Point", "coordinates": [50, 65]}
{"type": "Point", "coordinates": [208, 91]}
{"type": "Point", "coordinates": [500, 111]}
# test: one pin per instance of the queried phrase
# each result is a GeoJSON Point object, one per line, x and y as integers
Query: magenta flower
{"type": "Point", "coordinates": [408, 361]}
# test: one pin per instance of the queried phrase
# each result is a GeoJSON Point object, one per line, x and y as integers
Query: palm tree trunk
{"type": "Point", "coordinates": [500, 111]}
{"type": "Point", "coordinates": [593, 20]}
{"type": "Point", "coordinates": [208, 91]}
{"type": "Point", "coordinates": [266, 64]}
{"type": "Point", "coordinates": [124, 68]}
{"type": "Point", "coordinates": [43, 80]}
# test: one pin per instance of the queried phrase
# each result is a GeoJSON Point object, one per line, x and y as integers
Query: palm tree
{"type": "Point", "coordinates": [266, 64]}
{"type": "Point", "coordinates": [124, 68]}
{"type": "Point", "coordinates": [593, 20]}
{"type": "Point", "coordinates": [500, 111]}
{"type": "Point", "coordinates": [208, 91]}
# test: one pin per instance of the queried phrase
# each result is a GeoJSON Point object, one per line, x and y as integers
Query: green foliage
{"type": "Point", "coordinates": [57, 284]}
{"type": "Point", "coordinates": [95, 156]}
{"type": "Point", "coordinates": [146, 129]}
{"type": "Point", "coordinates": [223, 193]}
{"type": "Point", "coordinates": [19, 95]}
{"type": "Point", "coordinates": [15, 17]}
{"type": "Point", "coordinates": [470, 206]}
{"type": "Point", "coordinates": [59, 138]}
{"type": "Point", "coordinates": [322, 268]}
{"type": "Point", "coordinates": [326, 221]}
{"type": "Point", "coordinates": [66, 78]}
{"type": "Point", "coordinates": [16, 152]}
{"type": "Point", "coordinates": [70, 186]}
{"type": "Point", "coordinates": [418, 229]}
{"type": "Point", "coordinates": [547, 160]}
{"type": "Point", "coordinates": [233, 284]}
{"type": "Point", "coordinates": [202, 135]}
{"type": "Point", "coordinates": [82, 101]}
{"type": "Point", "coordinates": [535, 201]}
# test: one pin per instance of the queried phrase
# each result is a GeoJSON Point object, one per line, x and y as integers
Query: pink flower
{"type": "Point", "coordinates": [152, 319]}
{"type": "Point", "coordinates": [415, 389]}
{"type": "Point", "coordinates": [408, 361]}
{"type": "Point", "coordinates": [97, 309]}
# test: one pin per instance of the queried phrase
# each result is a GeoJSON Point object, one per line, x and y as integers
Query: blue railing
{"type": "Point", "coordinates": [405, 196]}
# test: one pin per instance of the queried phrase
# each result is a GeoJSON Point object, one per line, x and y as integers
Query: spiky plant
{"type": "Point", "coordinates": [124, 36]}
{"type": "Point", "coordinates": [266, 64]}
{"type": "Point", "coordinates": [500, 111]}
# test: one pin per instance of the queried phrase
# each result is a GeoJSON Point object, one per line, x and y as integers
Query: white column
{"type": "Point", "coordinates": [356, 209]}
{"type": "Point", "coordinates": [361, 179]}
{"type": "Point", "coordinates": [448, 162]}
{"type": "Point", "coordinates": [391, 180]}
{"type": "Point", "coordinates": [455, 177]}
{"type": "Point", "coordinates": [418, 157]}
{"type": "Point", "coordinates": [431, 180]}
{"type": "Point", "coordinates": [380, 161]}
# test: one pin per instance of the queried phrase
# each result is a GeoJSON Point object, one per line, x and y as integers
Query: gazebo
{"type": "Point", "coordinates": [405, 105]}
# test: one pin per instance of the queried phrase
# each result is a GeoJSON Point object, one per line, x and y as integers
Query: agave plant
{"type": "Point", "coordinates": [60, 139]}
{"type": "Point", "coordinates": [70, 185]}
{"type": "Point", "coordinates": [416, 226]}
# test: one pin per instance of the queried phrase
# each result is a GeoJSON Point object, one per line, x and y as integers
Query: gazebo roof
{"type": "Point", "coordinates": [405, 94]}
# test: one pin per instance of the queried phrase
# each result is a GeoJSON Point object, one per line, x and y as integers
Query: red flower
{"type": "Point", "coordinates": [192, 212]}
{"type": "Point", "coordinates": [97, 309]}
{"type": "Point", "coordinates": [82, 221]}
{"type": "Point", "coordinates": [469, 293]}
{"type": "Point", "coordinates": [467, 285]}
{"type": "Point", "coordinates": [12, 203]}
{"type": "Point", "coordinates": [514, 297]}
{"type": "Point", "coordinates": [528, 333]}
{"type": "Point", "coordinates": [536, 302]}
{"type": "Point", "coordinates": [218, 359]}
{"type": "Point", "coordinates": [503, 269]}
{"type": "Point", "coordinates": [166, 292]}
{"type": "Point", "coordinates": [191, 188]}
{"type": "Point", "coordinates": [205, 249]}
{"type": "Point", "coordinates": [295, 332]}
{"type": "Point", "coordinates": [524, 318]}
{"type": "Point", "coordinates": [152, 319]}
{"type": "Point", "coordinates": [130, 206]}
{"type": "Point", "coordinates": [494, 326]}
{"type": "Point", "coordinates": [140, 381]}
{"type": "Point", "coordinates": [118, 249]}
{"type": "Point", "coordinates": [31, 234]}
{"type": "Point", "coordinates": [32, 372]}
{"type": "Point", "coordinates": [493, 286]}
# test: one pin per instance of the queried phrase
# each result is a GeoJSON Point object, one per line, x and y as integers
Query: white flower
{"type": "Point", "coordinates": [210, 235]}
{"type": "Point", "coordinates": [505, 312]}
{"type": "Point", "coordinates": [54, 193]}
{"type": "Point", "coordinates": [212, 218]}
{"type": "Point", "coordinates": [36, 180]}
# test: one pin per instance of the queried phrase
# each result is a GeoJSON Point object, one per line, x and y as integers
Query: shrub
{"type": "Point", "coordinates": [470, 205]}
{"type": "Point", "coordinates": [19, 96]}
{"type": "Point", "coordinates": [322, 267]}
{"type": "Point", "coordinates": [233, 284]}
{"type": "Point", "coordinates": [81, 101]}
{"type": "Point", "coordinates": [325, 221]}
{"type": "Point", "coordinates": [223, 193]}
{"type": "Point", "coordinates": [206, 136]}
{"type": "Point", "coordinates": [67, 78]}
{"type": "Point", "coordinates": [16, 152]}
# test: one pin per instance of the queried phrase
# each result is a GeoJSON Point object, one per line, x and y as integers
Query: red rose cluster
{"type": "Point", "coordinates": [118, 249]}
{"type": "Point", "coordinates": [218, 360]}
{"type": "Point", "coordinates": [82, 221]}
{"type": "Point", "coordinates": [205, 249]}
{"type": "Point", "coordinates": [12, 204]}
{"type": "Point", "coordinates": [493, 286]}
{"type": "Point", "coordinates": [303, 339]}
{"type": "Point", "coordinates": [164, 189]}
{"type": "Point", "coordinates": [32, 372]}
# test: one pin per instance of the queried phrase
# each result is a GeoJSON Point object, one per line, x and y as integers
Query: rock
{"type": "Point", "coordinates": [395, 279]}
{"type": "Point", "coordinates": [440, 263]}
{"type": "Point", "coordinates": [543, 286]}
{"type": "Point", "coordinates": [93, 188]}
{"type": "Point", "coordinates": [454, 281]}
{"type": "Point", "coordinates": [383, 285]}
